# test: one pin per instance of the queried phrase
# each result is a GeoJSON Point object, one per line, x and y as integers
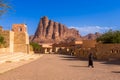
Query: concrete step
{"type": "Point", "coordinates": [9, 57]}
{"type": "Point", "coordinates": [17, 57]}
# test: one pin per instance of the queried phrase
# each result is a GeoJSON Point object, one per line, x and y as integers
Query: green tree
{"type": "Point", "coordinates": [2, 41]}
{"type": "Point", "coordinates": [4, 6]}
{"type": "Point", "coordinates": [36, 47]}
{"type": "Point", "coordinates": [110, 37]}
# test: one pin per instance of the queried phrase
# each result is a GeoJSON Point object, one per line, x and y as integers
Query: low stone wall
{"type": "Point", "coordinates": [108, 51]}
{"type": "Point", "coordinates": [84, 52]}
{"type": "Point", "coordinates": [100, 52]}
{"type": "Point", "coordinates": [6, 35]}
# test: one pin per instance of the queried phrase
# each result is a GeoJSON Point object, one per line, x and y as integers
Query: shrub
{"type": "Point", "coordinates": [110, 37]}
{"type": "Point", "coordinates": [36, 46]}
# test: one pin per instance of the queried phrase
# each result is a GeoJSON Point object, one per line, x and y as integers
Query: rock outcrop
{"type": "Point", "coordinates": [49, 31]}
{"type": "Point", "coordinates": [91, 36]}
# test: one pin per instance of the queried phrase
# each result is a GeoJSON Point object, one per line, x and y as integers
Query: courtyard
{"type": "Point", "coordinates": [62, 67]}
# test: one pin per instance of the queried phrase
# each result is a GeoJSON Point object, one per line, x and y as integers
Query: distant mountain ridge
{"type": "Point", "coordinates": [91, 36]}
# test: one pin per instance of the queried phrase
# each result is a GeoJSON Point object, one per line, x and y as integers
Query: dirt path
{"type": "Point", "coordinates": [62, 67]}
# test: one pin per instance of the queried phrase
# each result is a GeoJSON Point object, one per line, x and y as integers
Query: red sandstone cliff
{"type": "Point", "coordinates": [49, 31]}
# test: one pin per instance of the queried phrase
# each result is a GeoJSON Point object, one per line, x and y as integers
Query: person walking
{"type": "Point", "coordinates": [90, 62]}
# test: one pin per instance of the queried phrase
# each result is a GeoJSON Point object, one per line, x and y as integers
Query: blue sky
{"type": "Point", "coordinates": [88, 16]}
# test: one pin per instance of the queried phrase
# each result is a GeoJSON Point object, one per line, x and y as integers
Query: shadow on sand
{"type": "Point", "coordinates": [113, 62]}
{"type": "Point", "coordinates": [69, 58]}
{"type": "Point", "coordinates": [72, 58]}
{"type": "Point", "coordinates": [77, 66]}
{"type": "Point", "coordinates": [115, 71]}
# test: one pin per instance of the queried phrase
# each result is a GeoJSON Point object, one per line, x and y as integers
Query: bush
{"type": "Point", "coordinates": [36, 47]}
{"type": "Point", "coordinates": [110, 37]}
{"type": "Point", "coordinates": [2, 41]}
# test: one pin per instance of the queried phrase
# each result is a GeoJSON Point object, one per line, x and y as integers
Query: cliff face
{"type": "Point", "coordinates": [49, 31]}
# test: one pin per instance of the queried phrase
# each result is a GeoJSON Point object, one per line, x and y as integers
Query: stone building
{"type": "Point", "coordinates": [46, 48]}
{"type": "Point", "coordinates": [67, 48]}
{"type": "Point", "coordinates": [99, 50]}
{"type": "Point", "coordinates": [17, 39]}
{"type": "Point", "coordinates": [87, 47]}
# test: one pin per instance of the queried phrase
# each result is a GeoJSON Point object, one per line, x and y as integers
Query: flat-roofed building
{"type": "Point", "coordinates": [16, 40]}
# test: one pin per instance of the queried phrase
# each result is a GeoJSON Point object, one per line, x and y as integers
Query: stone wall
{"type": "Point", "coordinates": [6, 35]}
{"type": "Point", "coordinates": [16, 40]}
{"type": "Point", "coordinates": [19, 28]}
{"type": "Point", "coordinates": [88, 43]}
{"type": "Point", "coordinates": [108, 51]}
{"type": "Point", "coordinates": [84, 52]}
{"type": "Point", "coordinates": [9, 41]}
{"type": "Point", "coordinates": [21, 39]}
{"type": "Point", "coordinates": [100, 52]}
{"type": "Point", "coordinates": [21, 48]}
{"type": "Point", "coordinates": [85, 48]}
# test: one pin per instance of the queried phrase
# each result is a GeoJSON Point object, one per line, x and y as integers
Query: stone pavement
{"type": "Point", "coordinates": [63, 67]}
{"type": "Point", "coordinates": [10, 61]}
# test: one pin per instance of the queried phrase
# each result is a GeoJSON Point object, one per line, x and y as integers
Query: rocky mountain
{"type": "Point", "coordinates": [91, 36]}
{"type": "Point", "coordinates": [49, 31]}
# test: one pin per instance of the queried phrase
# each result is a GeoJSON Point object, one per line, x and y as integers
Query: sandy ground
{"type": "Point", "coordinates": [63, 67]}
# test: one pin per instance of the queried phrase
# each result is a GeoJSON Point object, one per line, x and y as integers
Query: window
{"type": "Point", "coordinates": [19, 29]}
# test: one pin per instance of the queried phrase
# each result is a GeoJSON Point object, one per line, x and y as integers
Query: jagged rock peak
{"type": "Point", "coordinates": [49, 31]}
{"type": "Point", "coordinates": [45, 18]}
